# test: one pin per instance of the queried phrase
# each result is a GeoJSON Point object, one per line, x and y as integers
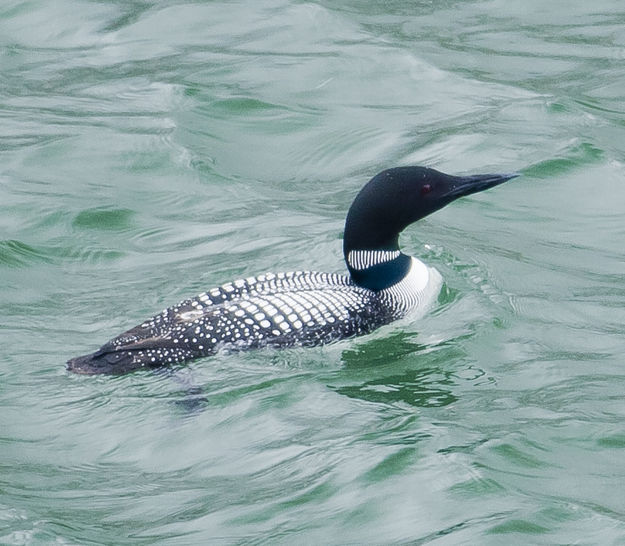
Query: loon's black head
{"type": "Point", "coordinates": [395, 198]}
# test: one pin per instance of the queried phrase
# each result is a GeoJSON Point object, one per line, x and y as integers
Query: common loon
{"type": "Point", "coordinates": [304, 307]}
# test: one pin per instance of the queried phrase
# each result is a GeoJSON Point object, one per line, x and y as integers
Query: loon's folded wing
{"type": "Point", "coordinates": [300, 308]}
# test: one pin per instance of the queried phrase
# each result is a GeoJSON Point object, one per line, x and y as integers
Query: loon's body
{"type": "Point", "coordinates": [305, 308]}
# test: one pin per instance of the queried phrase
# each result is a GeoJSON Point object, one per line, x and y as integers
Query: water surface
{"type": "Point", "coordinates": [152, 150]}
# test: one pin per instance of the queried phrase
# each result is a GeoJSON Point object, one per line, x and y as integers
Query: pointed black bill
{"type": "Point", "coordinates": [466, 185]}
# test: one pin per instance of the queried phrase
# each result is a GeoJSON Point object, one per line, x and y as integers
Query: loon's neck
{"type": "Point", "coordinates": [371, 245]}
{"type": "Point", "coordinates": [377, 269]}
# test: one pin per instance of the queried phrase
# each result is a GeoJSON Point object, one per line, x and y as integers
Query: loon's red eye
{"type": "Point", "coordinates": [425, 189]}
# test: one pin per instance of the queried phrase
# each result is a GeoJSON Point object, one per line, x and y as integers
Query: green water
{"type": "Point", "coordinates": [150, 150]}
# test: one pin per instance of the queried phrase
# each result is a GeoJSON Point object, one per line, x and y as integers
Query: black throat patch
{"type": "Point", "coordinates": [381, 275]}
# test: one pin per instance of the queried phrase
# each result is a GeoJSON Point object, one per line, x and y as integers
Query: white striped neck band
{"type": "Point", "coordinates": [363, 259]}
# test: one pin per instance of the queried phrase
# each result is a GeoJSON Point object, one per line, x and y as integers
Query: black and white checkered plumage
{"type": "Point", "coordinates": [299, 308]}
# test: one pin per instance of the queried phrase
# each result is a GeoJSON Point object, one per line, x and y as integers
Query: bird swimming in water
{"type": "Point", "coordinates": [305, 308]}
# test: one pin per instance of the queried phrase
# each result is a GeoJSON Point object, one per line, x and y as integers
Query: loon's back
{"type": "Point", "coordinates": [273, 310]}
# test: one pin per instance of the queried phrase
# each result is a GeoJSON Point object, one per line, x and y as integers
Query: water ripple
{"type": "Point", "coordinates": [152, 150]}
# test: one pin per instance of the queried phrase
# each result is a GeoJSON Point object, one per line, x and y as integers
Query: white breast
{"type": "Point", "coordinates": [416, 291]}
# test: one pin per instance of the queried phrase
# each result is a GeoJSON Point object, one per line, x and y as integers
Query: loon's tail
{"type": "Point", "coordinates": [125, 354]}
{"type": "Point", "coordinates": [103, 362]}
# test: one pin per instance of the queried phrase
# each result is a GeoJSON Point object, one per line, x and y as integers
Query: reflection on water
{"type": "Point", "coordinates": [422, 388]}
{"type": "Point", "coordinates": [430, 371]}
